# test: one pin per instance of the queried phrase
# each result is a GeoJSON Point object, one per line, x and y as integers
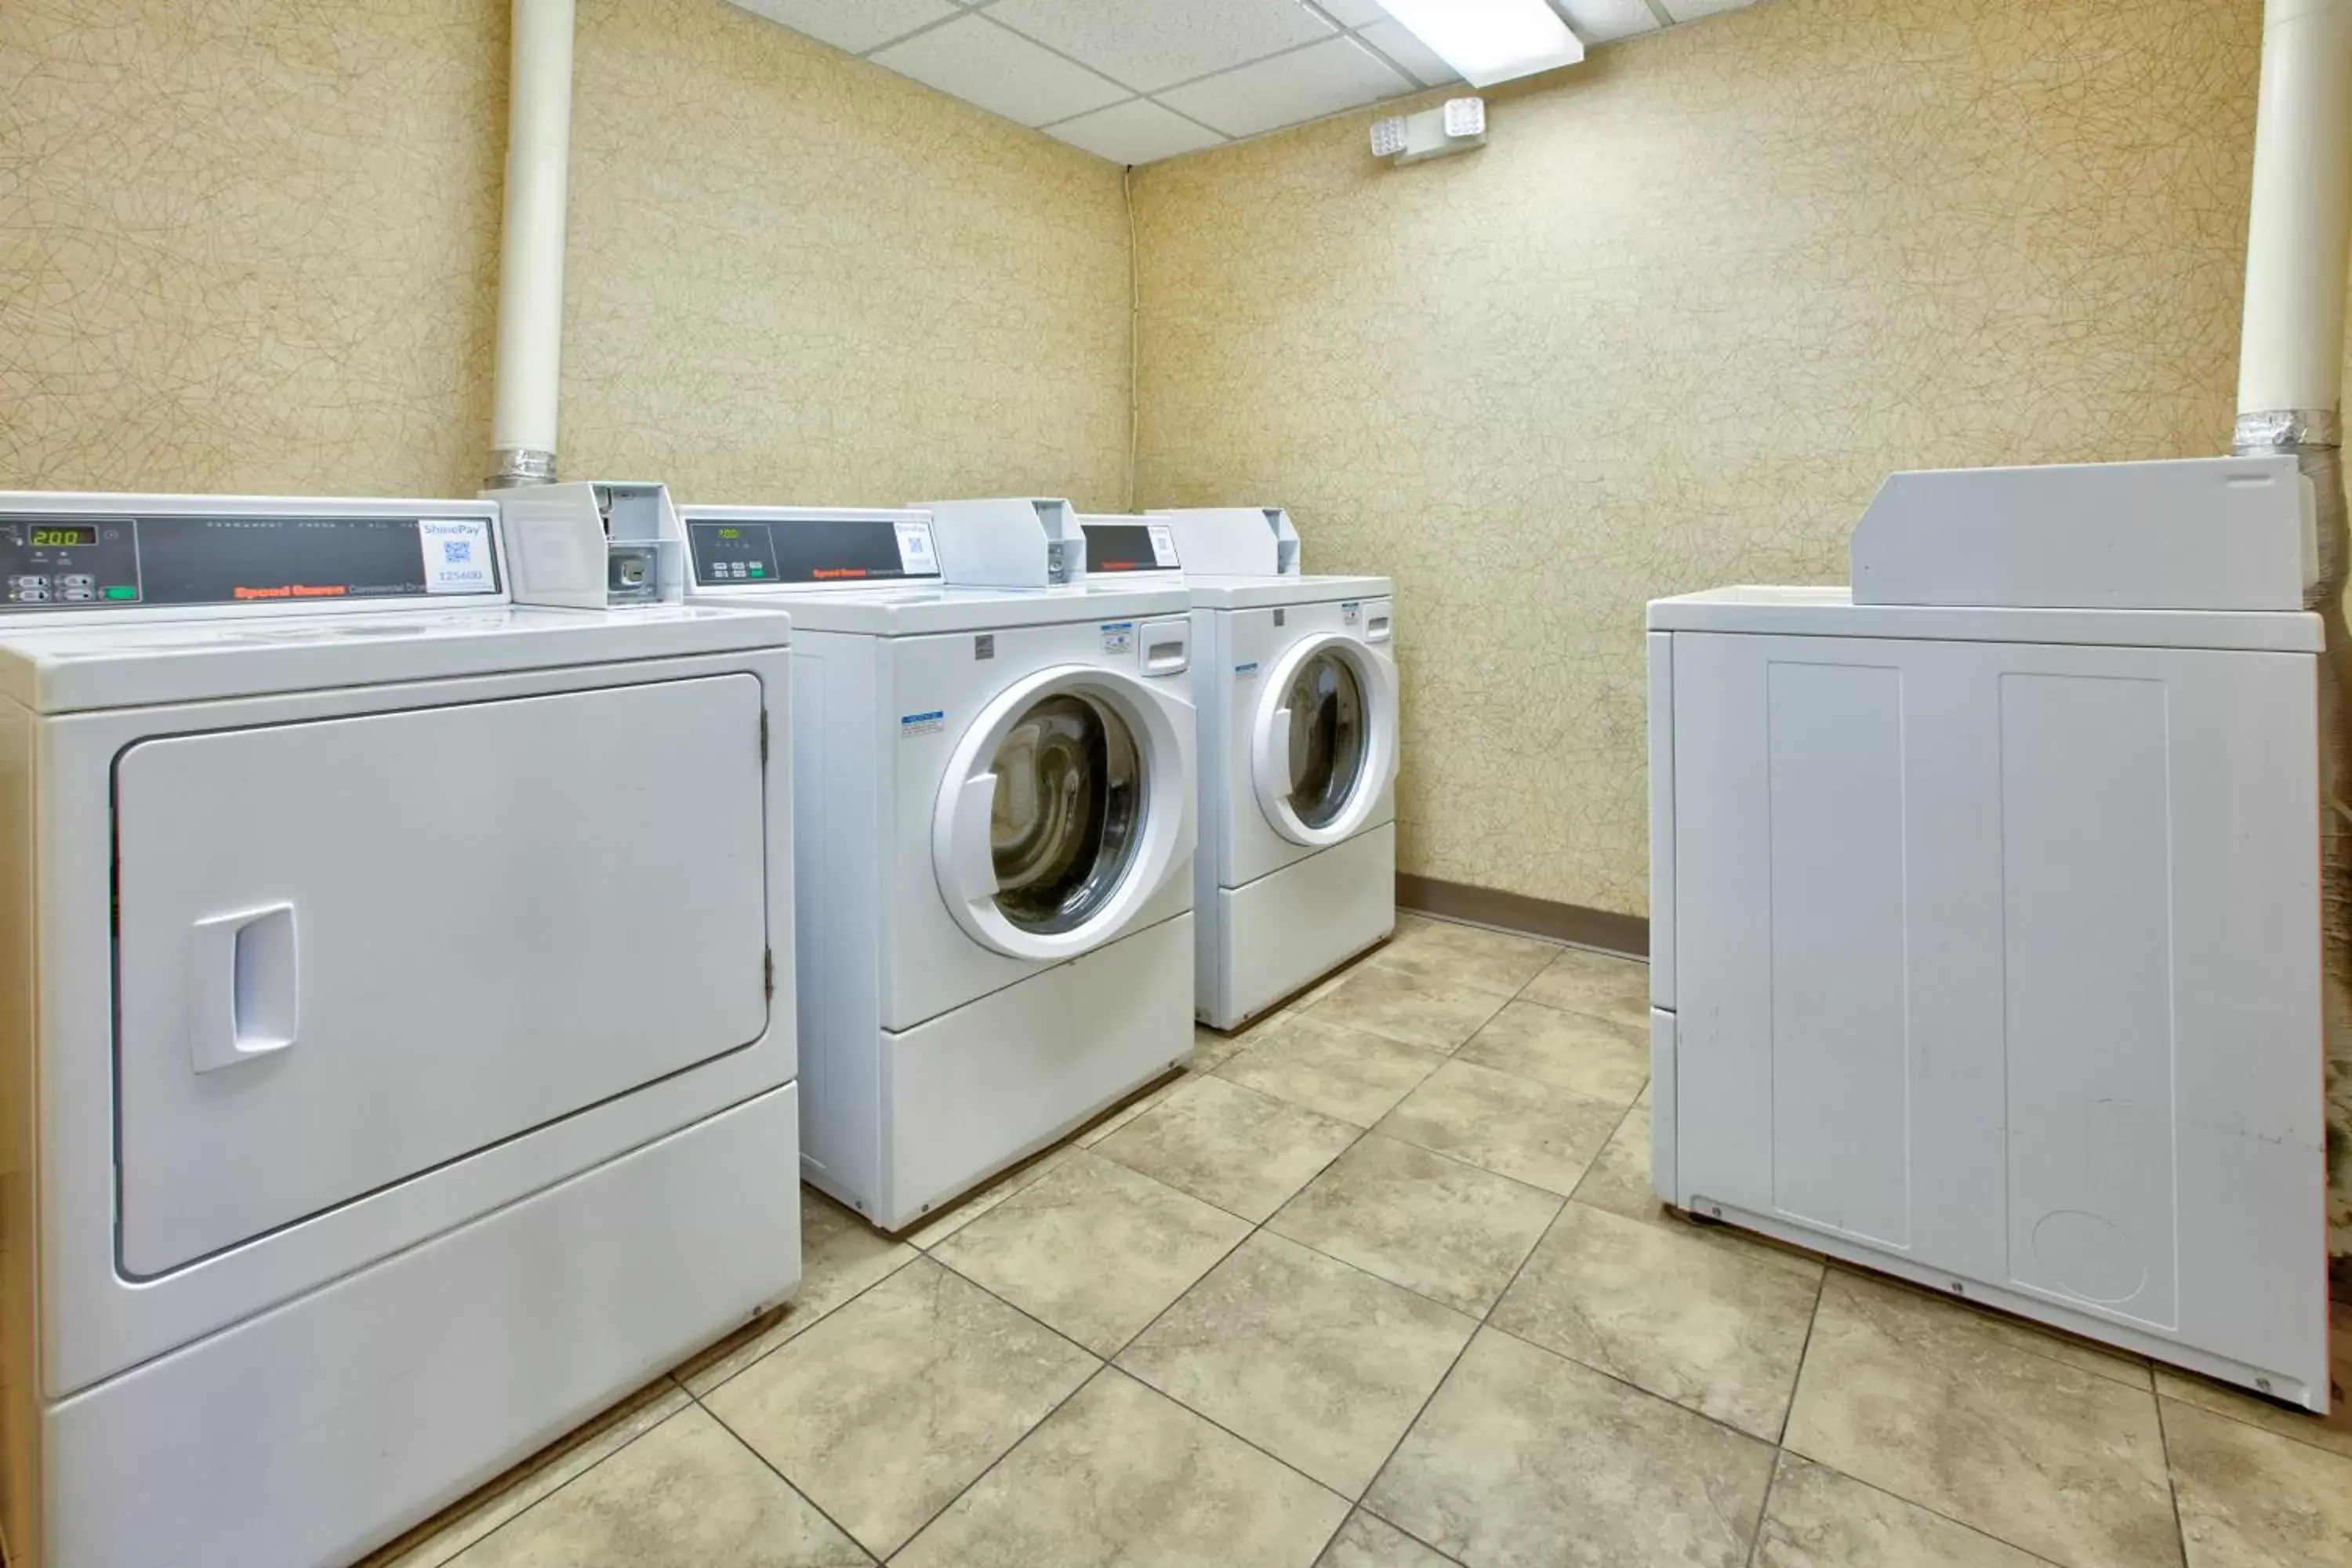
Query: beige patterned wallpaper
{"type": "Point", "coordinates": [253, 245]}
{"type": "Point", "coordinates": [1669, 329]}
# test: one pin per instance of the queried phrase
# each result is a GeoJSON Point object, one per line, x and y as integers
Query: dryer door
{"type": "Point", "coordinates": [1323, 744]}
{"type": "Point", "coordinates": [1066, 807]}
{"type": "Point", "coordinates": [350, 951]}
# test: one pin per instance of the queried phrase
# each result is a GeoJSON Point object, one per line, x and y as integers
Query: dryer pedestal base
{"type": "Point", "coordinates": [325, 1426]}
{"type": "Point", "coordinates": [966, 1094]}
{"type": "Point", "coordinates": [1291, 927]}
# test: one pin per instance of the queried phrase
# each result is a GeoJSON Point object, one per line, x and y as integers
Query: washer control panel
{"type": "Point", "coordinates": [72, 562]}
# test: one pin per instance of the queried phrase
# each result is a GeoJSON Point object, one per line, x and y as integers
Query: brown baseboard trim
{"type": "Point", "coordinates": [1628, 934]}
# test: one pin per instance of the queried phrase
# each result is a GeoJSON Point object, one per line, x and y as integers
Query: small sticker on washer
{"type": "Point", "coordinates": [916, 557]}
{"type": "Point", "coordinates": [984, 646]}
{"type": "Point", "coordinates": [1119, 637]}
{"type": "Point", "coordinates": [457, 554]}
{"type": "Point", "coordinates": [1163, 544]}
{"type": "Point", "coordinates": [1352, 615]}
{"type": "Point", "coordinates": [913, 724]}
{"type": "Point", "coordinates": [1249, 668]}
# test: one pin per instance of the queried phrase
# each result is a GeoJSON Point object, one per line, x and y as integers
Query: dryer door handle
{"type": "Point", "coordinates": [244, 993]}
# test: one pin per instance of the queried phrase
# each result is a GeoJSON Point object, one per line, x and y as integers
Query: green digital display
{"type": "Point", "coordinates": [50, 537]}
{"type": "Point", "coordinates": [730, 534]}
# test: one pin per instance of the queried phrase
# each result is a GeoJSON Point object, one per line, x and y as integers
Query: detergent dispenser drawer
{"type": "Point", "coordinates": [354, 950]}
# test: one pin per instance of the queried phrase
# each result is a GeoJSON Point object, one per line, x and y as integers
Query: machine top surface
{"type": "Point", "coordinates": [1832, 611]}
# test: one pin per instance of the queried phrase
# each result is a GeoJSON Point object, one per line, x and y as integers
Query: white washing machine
{"type": "Point", "coordinates": [389, 1086]}
{"type": "Point", "coordinates": [1297, 683]}
{"type": "Point", "coordinates": [996, 834]}
{"type": "Point", "coordinates": [1985, 907]}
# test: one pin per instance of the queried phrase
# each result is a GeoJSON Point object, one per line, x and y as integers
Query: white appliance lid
{"type": "Point", "coordinates": [118, 659]}
{"type": "Point", "coordinates": [1257, 592]}
{"type": "Point", "coordinates": [920, 612]}
{"type": "Point", "coordinates": [1832, 611]}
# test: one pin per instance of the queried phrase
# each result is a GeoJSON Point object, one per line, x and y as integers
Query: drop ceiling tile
{"type": "Point", "coordinates": [1152, 44]}
{"type": "Point", "coordinates": [1136, 132]}
{"type": "Point", "coordinates": [1397, 41]}
{"type": "Point", "coordinates": [1692, 10]}
{"type": "Point", "coordinates": [980, 62]}
{"type": "Point", "coordinates": [1353, 13]}
{"type": "Point", "coordinates": [856, 25]}
{"type": "Point", "coordinates": [1304, 84]}
{"type": "Point", "coordinates": [1606, 21]}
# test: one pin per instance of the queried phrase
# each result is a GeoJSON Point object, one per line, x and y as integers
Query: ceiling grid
{"type": "Point", "coordinates": [1139, 81]}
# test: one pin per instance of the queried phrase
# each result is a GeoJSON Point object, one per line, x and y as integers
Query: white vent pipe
{"type": "Point", "coordinates": [2291, 359]}
{"type": "Point", "coordinates": [531, 257]}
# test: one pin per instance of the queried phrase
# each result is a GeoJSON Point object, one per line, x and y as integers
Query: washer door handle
{"type": "Point", "coordinates": [245, 993]}
{"type": "Point", "coordinates": [970, 864]}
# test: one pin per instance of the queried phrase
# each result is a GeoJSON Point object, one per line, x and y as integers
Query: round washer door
{"type": "Point", "coordinates": [1065, 808]}
{"type": "Point", "coordinates": [1324, 744]}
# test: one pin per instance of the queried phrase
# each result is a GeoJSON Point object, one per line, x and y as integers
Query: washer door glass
{"type": "Point", "coordinates": [1329, 741]}
{"type": "Point", "coordinates": [1068, 813]}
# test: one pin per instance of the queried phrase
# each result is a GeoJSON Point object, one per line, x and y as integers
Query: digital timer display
{"type": "Point", "coordinates": [50, 536]}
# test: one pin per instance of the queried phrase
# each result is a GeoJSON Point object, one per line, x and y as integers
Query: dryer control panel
{"type": "Point", "coordinates": [747, 547]}
{"type": "Point", "coordinates": [77, 559]}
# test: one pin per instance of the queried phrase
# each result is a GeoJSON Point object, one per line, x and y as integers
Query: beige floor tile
{"type": "Point", "coordinates": [1140, 1105]}
{"type": "Point", "coordinates": [1619, 1182]}
{"type": "Point", "coordinates": [1122, 1474]}
{"type": "Point", "coordinates": [2251, 1498]}
{"type": "Point", "coordinates": [885, 1410]}
{"type": "Point", "coordinates": [1586, 1056]}
{"type": "Point", "coordinates": [1619, 1179]}
{"type": "Point", "coordinates": [1347, 1074]}
{"type": "Point", "coordinates": [841, 1255]}
{"type": "Point", "coordinates": [1919, 1397]}
{"type": "Point", "coordinates": [1467, 955]}
{"type": "Point", "coordinates": [1617, 989]}
{"type": "Point", "coordinates": [999, 1187]}
{"type": "Point", "coordinates": [1524, 1457]}
{"type": "Point", "coordinates": [439, 1538]}
{"type": "Point", "coordinates": [1516, 1127]}
{"type": "Point", "coordinates": [1093, 1249]}
{"type": "Point", "coordinates": [1451, 1232]}
{"type": "Point", "coordinates": [1820, 1519]}
{"type": "Point", "coordinates": [685, 1495]}
{"type": "Point", "coordinates": [1707, 1328]}
{"type": "Point", "coordinates": [1210, 1048]}
{"type": "Point", "coordinates": [1438, 1014]}
{"type": "Point", "coordinates": [2332, 1432]}
{"type": "Point", "coordinates": [1366, 1541]}
{"type": "Point", "coordinates": [1318, 1364]}
{"type": "Point", "coordinates": [1240, 1150]}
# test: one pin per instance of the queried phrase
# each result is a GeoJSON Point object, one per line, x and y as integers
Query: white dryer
{"type": "Point", "coordinates": [387, 1086]}
{"type": "Point", "coordinates": [996, 834]}
{"type": "Point", "coordinates": [1297, 684]}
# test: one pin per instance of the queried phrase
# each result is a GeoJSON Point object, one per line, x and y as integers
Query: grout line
{"type": "Point", "coordinates": [1804, 1352]}
{"type": "Point", "coordinates": [821, 1317]}
{"type": "Point", "coordinates": [2171, 1481]}
{"type": "Point", "coordinates": [1764, 1509]}
{"type": "Point", "coordinates": [569, 1481]}
{"type": "Point", "coordinates": [748, 1446]}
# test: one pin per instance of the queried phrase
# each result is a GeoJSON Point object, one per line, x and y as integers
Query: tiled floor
{"type": "Point", "coordinates": [1381, 1284]}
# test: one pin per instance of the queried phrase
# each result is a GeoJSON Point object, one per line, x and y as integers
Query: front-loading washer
{"type": "Point", "coordinates": [1296, 681]}
{"type": "Point", "coordinates": [388, 1086]}
{"type": "Point", "coordinates": [994, 771]}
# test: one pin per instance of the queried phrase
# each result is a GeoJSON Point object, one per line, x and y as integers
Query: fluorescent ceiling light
{"type": "Point", "coordinates": [1490, 41]}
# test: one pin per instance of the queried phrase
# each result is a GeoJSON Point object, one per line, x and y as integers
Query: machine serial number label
{"type": "Point", "coordinates": [913, 724]}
